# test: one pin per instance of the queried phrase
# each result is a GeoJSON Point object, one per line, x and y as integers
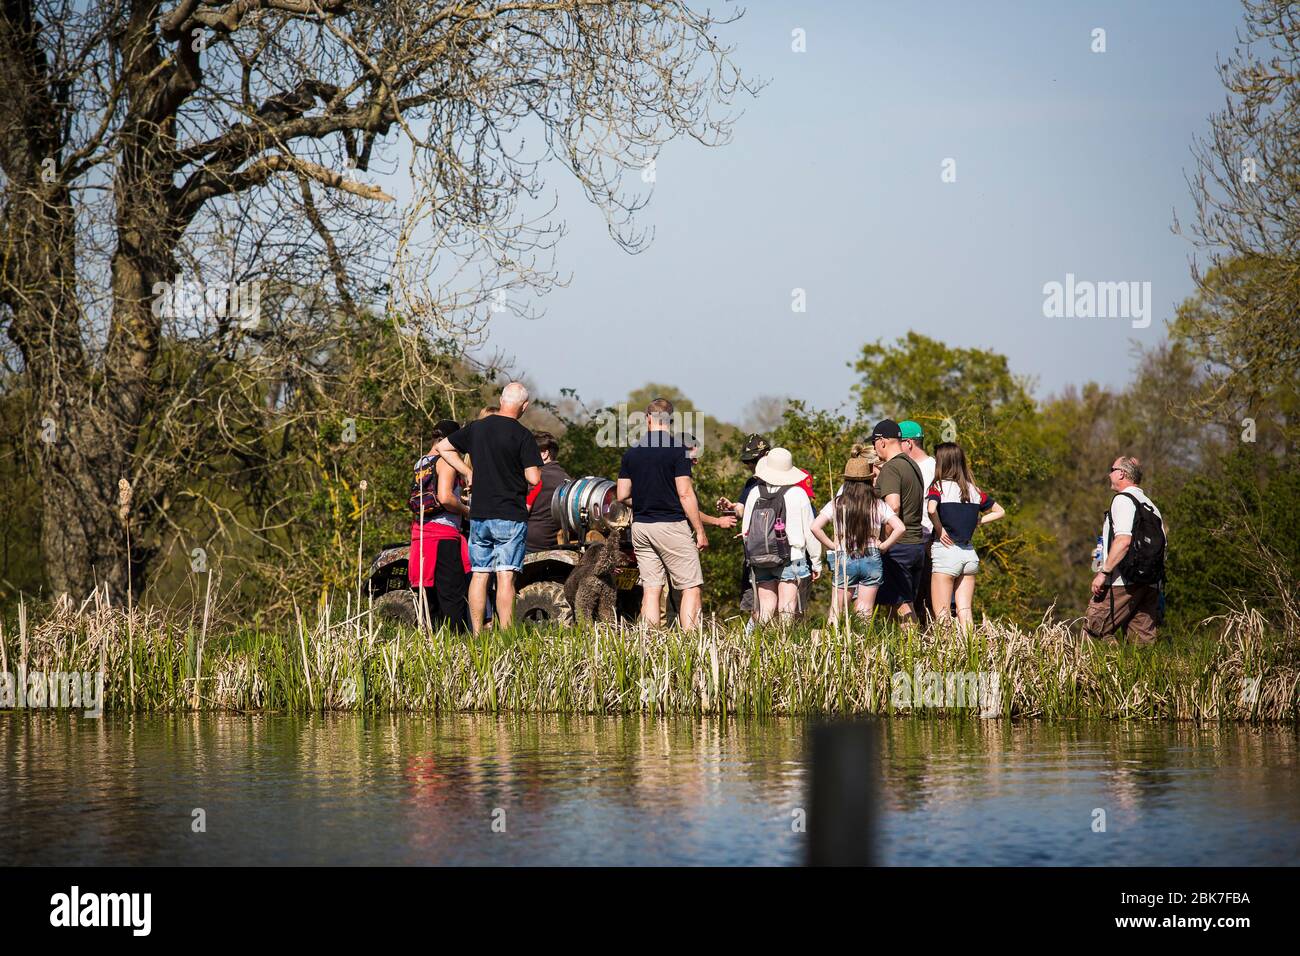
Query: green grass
{"type": "Point", "coordinates": [1233, 668]}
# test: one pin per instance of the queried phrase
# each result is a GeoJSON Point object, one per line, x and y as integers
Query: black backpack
{"type": "Point", "coordinates": [766, 544]}
{"type": "Point", "coordinates": [1144, 562]}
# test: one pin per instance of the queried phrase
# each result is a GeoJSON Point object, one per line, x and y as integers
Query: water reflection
{"type": "Point", "coordinates": [577, 790]}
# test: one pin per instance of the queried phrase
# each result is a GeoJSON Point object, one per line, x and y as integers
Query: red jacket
{"type": "Point", "coordinates": [807, 485]}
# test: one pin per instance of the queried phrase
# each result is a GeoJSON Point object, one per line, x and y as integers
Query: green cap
{"type": "Point", "coordinates": [910, 429]}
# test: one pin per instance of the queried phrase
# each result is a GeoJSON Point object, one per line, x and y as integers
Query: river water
{"type": "Point", "coordinates": [583, 790]}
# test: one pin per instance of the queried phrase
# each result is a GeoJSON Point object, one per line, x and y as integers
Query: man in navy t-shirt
{"type": "Point", "coordinates": [667, 533]}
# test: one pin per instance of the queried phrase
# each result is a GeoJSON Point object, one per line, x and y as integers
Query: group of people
{"type": "Point", "coordinates": [897, 534]}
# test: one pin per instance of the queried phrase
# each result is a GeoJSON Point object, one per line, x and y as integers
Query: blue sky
{"type": "Point", "coordinates": [1067, 161]}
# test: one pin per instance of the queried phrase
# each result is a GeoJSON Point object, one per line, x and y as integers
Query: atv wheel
{"type": "Point", "coordinates": [397, 606]}
{"type": "Point", "coordinates": [543, 601]}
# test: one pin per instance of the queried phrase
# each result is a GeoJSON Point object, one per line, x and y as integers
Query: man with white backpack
{"type": "Point", "coordinates": [1131, 571]}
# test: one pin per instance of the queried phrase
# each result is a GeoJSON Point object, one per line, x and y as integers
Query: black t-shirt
{"type": "Point", "coordinates": [500, 449]}
{"type": "Point", "coordinates": [653, 465]}
{"type": "Point", "coordinates": [542, 526]}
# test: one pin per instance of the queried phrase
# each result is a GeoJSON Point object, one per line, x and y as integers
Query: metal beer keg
{"type": "Point", "coordinates": [582, 505]}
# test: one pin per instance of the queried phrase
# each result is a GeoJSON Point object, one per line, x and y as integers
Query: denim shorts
{"type": "Point", "coordinates": [496, 544]}
{"type": "Point", "coordinates": [794, 571]}
{"type": "Point", "coordinates": [849, 571]}
{"type": "Point", "coordinates": [954, 561]}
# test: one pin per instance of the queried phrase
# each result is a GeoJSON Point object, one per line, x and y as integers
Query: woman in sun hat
{"type": "Point", "coordinates": [858, 514]}
{"type": "Point", "coordinates": [777, 529]}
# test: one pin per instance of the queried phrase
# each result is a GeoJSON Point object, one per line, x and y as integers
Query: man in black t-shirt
{"type": "Point", "coordinates": [503, 463]}
{"type": "Point", "coordinates": [655, 480]}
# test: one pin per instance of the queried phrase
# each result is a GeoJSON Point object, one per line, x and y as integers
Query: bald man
{"type": "Point", "coordinates": [506, 463]}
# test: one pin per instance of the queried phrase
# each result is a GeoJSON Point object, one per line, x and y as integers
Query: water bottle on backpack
{"type": "Point", "coordinates": [766, 543]}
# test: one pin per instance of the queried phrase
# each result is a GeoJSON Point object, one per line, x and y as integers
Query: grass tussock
{"type": "Point", "coordinates": [1236, 667]}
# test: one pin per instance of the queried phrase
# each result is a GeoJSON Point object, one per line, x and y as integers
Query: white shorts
{"type": "Point", "coordinates": [954, 561]}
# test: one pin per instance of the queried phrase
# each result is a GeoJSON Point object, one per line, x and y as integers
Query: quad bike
{"type": "Point", "coordinates": [587, 512]}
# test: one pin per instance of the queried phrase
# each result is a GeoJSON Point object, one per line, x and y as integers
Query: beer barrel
{"type": "Point", "coordinates": [590, 503]}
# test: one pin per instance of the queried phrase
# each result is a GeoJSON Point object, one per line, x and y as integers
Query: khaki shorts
{"type": "Point", "coordinates": [1132, 608]}
{"type": "Point", "coordinates": [666, 553]}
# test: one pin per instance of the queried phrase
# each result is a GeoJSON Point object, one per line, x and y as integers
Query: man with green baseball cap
{"type": "Point", "coordinates": [913, 438]}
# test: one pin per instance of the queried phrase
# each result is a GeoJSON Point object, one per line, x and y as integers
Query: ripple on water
{"type": "Point", "coordinates": [539, 789]}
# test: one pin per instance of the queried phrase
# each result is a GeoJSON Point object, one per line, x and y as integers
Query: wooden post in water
{"type": "Point", "coordinates": [841, 800]}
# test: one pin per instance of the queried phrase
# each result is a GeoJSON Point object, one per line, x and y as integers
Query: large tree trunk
{"type": "Point", "coordinates": [83, 540]}
{"type": "Point", "coordinates": [82, 450]}
{"type": "Point", "coordinates": [81, 544]}
{"type": "Point", "coordinates": [88, 416]}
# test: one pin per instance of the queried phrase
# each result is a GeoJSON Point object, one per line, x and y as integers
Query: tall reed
{"type": "Point", "coordinates": [1236, 668]}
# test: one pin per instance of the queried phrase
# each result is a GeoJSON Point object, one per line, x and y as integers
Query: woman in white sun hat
{"type": "Point", "coordinates": [777, 528]}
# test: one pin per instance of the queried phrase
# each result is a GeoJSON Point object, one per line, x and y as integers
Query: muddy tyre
{"type": "Point", "coordinates": [397, 607]}
{"type": "Point", "coordinates": [543, 601]}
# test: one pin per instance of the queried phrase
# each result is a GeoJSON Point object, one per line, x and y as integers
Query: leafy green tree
{"type": "Point", "coordinates": [1233, 539]}
{"type": "Point", "coordinates": [583, 450]}
{"type": "Point", "coordinates": [279, 509]}
{"type": "Point", "coordinates": [918, 375]}
{"type": "Point", "coordinates": [1077, 433]}
{"type": "Point", "coordinates": [820, 442]}
{"type": "Point", "coordinates": [1246, 363]}
{"type": "Point", "coordinates": [1244, 324]}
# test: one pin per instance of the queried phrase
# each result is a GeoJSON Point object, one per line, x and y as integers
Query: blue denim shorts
{"type": "Point", "coordinates": [496, 544]}
{"type": "Point", "coordinates": [849, 571]}
{"type": "Point", "coordinates": [794, 571]}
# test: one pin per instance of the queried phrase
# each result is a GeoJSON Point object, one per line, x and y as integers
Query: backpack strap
{"type": "Point", "coordinates": [1110, 519]}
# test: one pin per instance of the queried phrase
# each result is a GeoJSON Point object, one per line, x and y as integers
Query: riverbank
{"type": "Point", "coordinates": [1235, 668]}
